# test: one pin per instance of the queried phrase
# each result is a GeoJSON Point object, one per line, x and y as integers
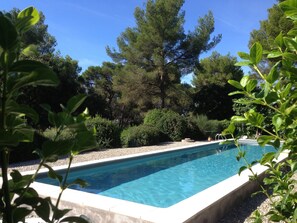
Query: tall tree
{"type": "Point", "coordinates": [99, 86]}
{"type": "Point", "coordinates": [271, 28]}
{"type": "Point", "coordinates": [211, 86]}
{"type": "Point", "coordinates": [157, 52]}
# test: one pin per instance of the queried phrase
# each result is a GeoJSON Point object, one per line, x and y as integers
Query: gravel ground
{"type": "Point", "coordinates": [239, 214]}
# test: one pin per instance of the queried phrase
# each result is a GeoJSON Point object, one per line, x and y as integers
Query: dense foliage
{"type": "Point", "coordinates": [173, 125]}
{"type": "Point", "coordinates": [18, 198]}
{"type": "Point", "coordinates": [142, 135]}
{"type": "Point", "coordinates": [107, 132]}
{"type": "Point", "coordinates": [211, 86]}
{"type": "Point", "coordinates": [157, 52]}
{"type": "Point", "coordinates": [277, 93]}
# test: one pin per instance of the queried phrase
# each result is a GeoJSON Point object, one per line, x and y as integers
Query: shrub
{"type": "Point", "coordinates": [173, 125]}
{"type": "Point", "coordinates": [107, 132]}
{"type": "Point", "coordinates": [193, 131]}
{"type": "Point", "coordinates": [207, 127]}
{"type": "Point", "coordinates": [153, 116]}
{"type": "Point", "coordinates": [142, 135]}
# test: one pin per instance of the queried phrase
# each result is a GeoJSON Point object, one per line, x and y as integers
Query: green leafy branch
{"type": "Point", "coordinates": [278, 93]}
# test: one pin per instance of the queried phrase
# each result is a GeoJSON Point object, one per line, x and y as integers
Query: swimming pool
{"type": "Point", "coordinates": [162, 180]}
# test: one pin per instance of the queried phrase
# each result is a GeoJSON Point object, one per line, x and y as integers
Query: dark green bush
{"type": "Point", "coordinates": [169, 122]}
{"type": "Point", "coordinates": [193, 131]}
{"type": "Point", "coordinates": [142, 135]}
{"type": "Point", "coordinates": [107, 132]}
{"type": "Point", "coordinates": [208, 128]}
{"type": "Point", "coordinates": [173, 125]}
{"type": "Point", "coordinates": [153, 116]}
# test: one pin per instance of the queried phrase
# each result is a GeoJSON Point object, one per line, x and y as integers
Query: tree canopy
{"type": "Point", "coordinates": [157, 52]}
{"type": "Point", "coordinates": [211, 86]}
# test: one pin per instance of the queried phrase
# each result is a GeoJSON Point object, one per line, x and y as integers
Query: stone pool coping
{"type": "Point", "coordinates": [216, 199]}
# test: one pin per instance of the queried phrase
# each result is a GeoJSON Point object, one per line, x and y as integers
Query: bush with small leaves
{"type": "Point", "coordinates": [107, 132]}
{"type": "Point", "coordinates": [142, 135]}
{"type": "Point", "coordinates": [173, 125]}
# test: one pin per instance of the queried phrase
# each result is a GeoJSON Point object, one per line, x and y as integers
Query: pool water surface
{"type": "Point", "coordinates": [162, 180]}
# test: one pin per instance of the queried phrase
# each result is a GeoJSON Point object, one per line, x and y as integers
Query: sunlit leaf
{"type": "Point", "coordinates": [239, 119]}
{"type": "Point", "coordinates": [273, 74]}
{"type": "Point", "coordinates": [251, 85]}
{"type": "Point", "coordinates": [244, 80]}
{"type": "Point", "coordinates": [235, 84]}
{"type": "Point", "coordinates": [274, 54]}
{"type": "Point", "coordinates": [264, 139]}
{"type": "Point", "coordinates": [256, 53]}
{"type": "Point", "coordinates": [243, 55]}
{"type": "Point", "coordinates": [277, 121]}
{"type": "Point", "coordinates": [243, 63]}
{"type": "Point", "coordinates": [27, 18]}
{"type": "Point", "coordinates": [268, 157]}
{"type": "Point", "coordinates": [31, 50]}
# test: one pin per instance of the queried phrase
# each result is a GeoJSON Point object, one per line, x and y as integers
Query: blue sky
{"type": "Point", "coordinates": [84, 28]}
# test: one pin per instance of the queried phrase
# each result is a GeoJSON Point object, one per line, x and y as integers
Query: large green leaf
{"type": "Point", "coordinates": [38, 77]}
{"type": "Point", "coordinates": [243, 55]}
{"type": "Point", "coordinates": [8, 33]}
{"type": "Point", "coordinates": [58, 148]}
{"type": "Point", "coordinates": [273, 74]}
{"type": "Point", "coordinates": [244, 80]}
{"type": "Point", "coordinates": [291, 44]}
{"type": "Point", "coordinates": [256, 53]}
{"type": "Point", "coordinates": [279, 41]}
{"type": "Point", "coordinates": [235, 84]}
{"type": "Point", "coordinates": [27, 66]}
{"type": "Point", "coordinates": [264, 139]}
{"type": "Point", "coordinates": [84, 141]}
{"type": "Point", "coordinates": [13, 107]}
{"type": "Point", "coordinates": [251, 85]}
{"type": "Point", "coordinates": [74, 102]}
{"type": "Point", "coordinates": [289, 7]}
{"type": "Point", "coordinates": [27, 18]}
{"type": "Point", "coordinates": [268, 157]}
{"type": "Point", "coordinates": [290, 56]}
{"type": "Point", "coordinates": [254, 117]}
{"type": "Point", "coordinates": [277, 121]}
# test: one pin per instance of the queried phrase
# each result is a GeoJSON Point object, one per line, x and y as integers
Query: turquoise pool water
{"type": "Point", "coordinates": [164, 179]}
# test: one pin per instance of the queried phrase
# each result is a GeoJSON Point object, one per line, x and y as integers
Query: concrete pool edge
{"type": "Point", "coordinates": [103, 209]}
